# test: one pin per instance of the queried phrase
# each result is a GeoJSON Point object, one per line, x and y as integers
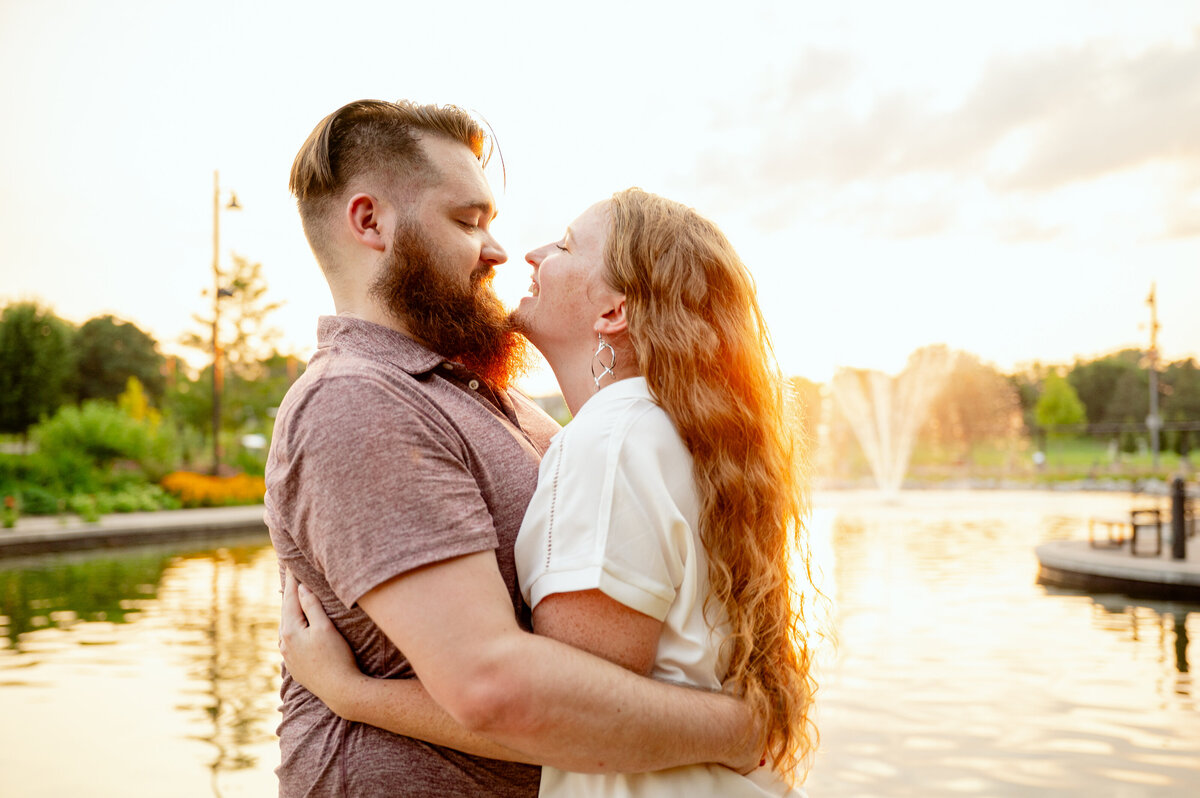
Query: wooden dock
{"type": "Point", "coordinates": [1116, 569]}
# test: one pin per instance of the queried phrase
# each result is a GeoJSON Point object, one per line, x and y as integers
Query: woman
{"type": "Point", "coordinates": [665, 512]}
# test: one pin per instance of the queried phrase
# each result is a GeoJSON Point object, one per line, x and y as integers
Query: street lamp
{"type": "Point", "coordinates": [218, 293]}
{"type": "Point", "coordinates": [1153, 420]}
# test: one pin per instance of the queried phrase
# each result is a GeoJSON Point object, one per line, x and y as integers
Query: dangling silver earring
{"type": "Point", "coordinates": [598, 361]}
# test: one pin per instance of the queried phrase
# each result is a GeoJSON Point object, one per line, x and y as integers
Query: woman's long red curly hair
{"type": "Point", "coordinates": [699, 339]}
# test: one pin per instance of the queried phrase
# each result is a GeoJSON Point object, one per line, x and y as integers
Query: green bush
{"type": "Point", "coordinates": [38, 501]}
{"type": "Point", "coordinates": [250, 462]}
{"type": "Point", "coordinates": [142, 498]}
{"type": "Point", "coordinates": [65, 479]}
{"type": "Point", "coordinates": [100, 430]}
{"type": "Point", "coordinates": [85, 506]}
{"type": "Point", "coordinates": [66, 470]}
{"type": "Point", "coordinates": [85, 443]}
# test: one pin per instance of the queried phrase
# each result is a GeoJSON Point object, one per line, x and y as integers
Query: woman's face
{"type": "Point", "coordinates": [568, 294]}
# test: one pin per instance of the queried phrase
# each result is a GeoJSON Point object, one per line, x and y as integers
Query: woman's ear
{"type": "Point", "coordinates": [365, 218]}
{"type": "Point", "coordinates": [614, 321]}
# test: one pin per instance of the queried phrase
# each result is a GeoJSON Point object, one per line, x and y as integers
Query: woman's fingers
{"type": "Point", "coordinates": [291, 614]}
{"type": "Point", "coordinates": [314, 652]}
{"type": "Point", "coordinates": [313, 610]}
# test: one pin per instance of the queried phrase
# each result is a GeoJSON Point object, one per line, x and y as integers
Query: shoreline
{"type": "Point", "coordinates": [60, 533]}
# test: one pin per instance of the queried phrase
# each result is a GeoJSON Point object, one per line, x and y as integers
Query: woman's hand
{"type": "Point", "coordinates": [314, 652]}
{"type": "Point", "coordinates": [318, 658]}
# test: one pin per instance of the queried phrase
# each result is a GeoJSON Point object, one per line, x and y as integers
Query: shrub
{"type": "Point", "coordinates": [38, 501]}
{"type": "Point", "coordinates": [96, 435]}
{"type": "Point", "coordinates": [100, 430]}
{"type": "Point", "coordinates": [85, 506]}
{"type": "Point", "coordinates": [65, 470]}
{"type": "Point", "coordinates": [142, 498]}
{"type": "Point", "coordinates": [250, 462]}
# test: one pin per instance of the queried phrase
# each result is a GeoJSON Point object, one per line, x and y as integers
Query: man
{"type": "Point", "coordinates": [399, 472]}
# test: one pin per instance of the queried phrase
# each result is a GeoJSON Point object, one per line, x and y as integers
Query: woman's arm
{"type": "Point", "coordinates": [590, 620]}
{"type": "Point", "coordinates": [318, 657]}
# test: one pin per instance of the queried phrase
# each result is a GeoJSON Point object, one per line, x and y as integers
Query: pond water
{"type": "Point", "coordinates": [154, 671]}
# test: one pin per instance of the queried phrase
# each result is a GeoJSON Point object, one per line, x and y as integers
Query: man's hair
{"type": "Point", "coordinates": [371, 138]}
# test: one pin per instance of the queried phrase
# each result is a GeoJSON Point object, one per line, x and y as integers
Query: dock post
{"type": "Point", "coordinates": [1178, 533]}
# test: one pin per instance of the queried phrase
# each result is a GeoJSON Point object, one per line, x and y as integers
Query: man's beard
{"type": "Point", "coordinates": [463, 323]}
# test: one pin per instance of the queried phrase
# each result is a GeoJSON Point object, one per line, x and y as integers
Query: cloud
{"type": "Point", "coordinates": [1111, 114]}
{"type": "Point", "coordinates": [1032, 123]}
{"type": "Point", "coordinates": [1183, 223]}
{"type": "Point", "coordinates": [1023, 230]}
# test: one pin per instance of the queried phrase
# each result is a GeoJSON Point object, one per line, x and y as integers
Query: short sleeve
{"type": "Point", "coordinates": [381, 487]}
{"type": "Point", "coordinates": [607, 513]}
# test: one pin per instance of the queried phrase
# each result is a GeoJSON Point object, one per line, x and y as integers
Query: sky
{"type": "Point", "coordinates": [1008, 179]}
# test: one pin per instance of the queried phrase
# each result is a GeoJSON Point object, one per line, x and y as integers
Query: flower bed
{"type": "Point", "coordinates": [202, 490]}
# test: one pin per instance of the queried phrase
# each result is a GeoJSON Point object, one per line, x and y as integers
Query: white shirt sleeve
{"type": "Point", "coordinates": [607, 511]}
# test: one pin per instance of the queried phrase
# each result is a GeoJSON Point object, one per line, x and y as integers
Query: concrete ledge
{"type": "Point", "coordinates": [39, 535]}
{"type": "Point", "coordinates": [1075, 564]}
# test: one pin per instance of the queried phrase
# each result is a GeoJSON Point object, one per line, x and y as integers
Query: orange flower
{"type": "Point", "coordinates": [202, 490]}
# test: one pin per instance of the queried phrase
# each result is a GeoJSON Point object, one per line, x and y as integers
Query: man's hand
{"type": "Point", "coordinates": [748, 754]}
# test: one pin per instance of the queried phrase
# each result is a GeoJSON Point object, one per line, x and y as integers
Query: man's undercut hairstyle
{"type": "Point", "coordinates": [371, 137]}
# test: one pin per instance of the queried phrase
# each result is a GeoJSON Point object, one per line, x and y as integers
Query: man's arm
{"type": "Point", "coordinates": [320, 659]}
{"type": "Point", "coordinates": [562, 706]}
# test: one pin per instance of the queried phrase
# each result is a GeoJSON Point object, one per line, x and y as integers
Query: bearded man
{"type": "Point", "coordinates": [400, 468]}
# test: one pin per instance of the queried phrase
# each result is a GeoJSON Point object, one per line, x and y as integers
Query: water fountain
{"type": "Point", "coordinates": [886, 412]}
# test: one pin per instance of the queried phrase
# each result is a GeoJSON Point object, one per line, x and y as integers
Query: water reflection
{"type": "Point", "coordinates": [1163, 627]}
{"type": "Point", "coordinates": [955, 672]}
{"type": "Point", "coordinates": [65, 593]}
{"type": "Point", "coordinates": [235, 668]}
{"type": "Point", "coordinates": [177, 649]}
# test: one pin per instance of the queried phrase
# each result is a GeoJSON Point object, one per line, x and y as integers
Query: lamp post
{"type": "Point", "coordinates": [1153, 420]}
{"type": "Point", "coordinates": [218, 293]}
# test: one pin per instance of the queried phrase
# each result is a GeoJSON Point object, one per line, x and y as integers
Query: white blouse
{"type": "Point", "coordinates": [616, 510]}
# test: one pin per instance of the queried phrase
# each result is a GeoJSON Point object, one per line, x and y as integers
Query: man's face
{"type": "Point", "coordinates": [437, 277]}
{"type": "Point", "coordinates": [456, 212]}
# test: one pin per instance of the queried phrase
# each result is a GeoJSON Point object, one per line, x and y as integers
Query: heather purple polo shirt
{"type": "Point", "coordinates": [385, 458]}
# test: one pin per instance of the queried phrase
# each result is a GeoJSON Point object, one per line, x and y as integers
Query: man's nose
{"type": "Point", "coordinates": [493, 253]}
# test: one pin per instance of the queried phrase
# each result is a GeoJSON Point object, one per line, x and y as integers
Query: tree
{"type": "Point", "coordinates": [245, 334]}
{"type": "Point", "coordinates": [1180, 385]}
{"type": "Point", "coordinates": [35, 364]}
{"type": "Point", "coordinates": [977, 404]}
{"type": "Point", "coordinates": [1027, 382]}
{"type": "Point", "coordinates": [1130, 400]}
{"type": "Point", "coordinates": [241, 335]}
{"type": "Point", "coordinates": [252, 402]}
{"type": "Point", "coordinates": [109, 352]}
{"type": "Point", "coordinates": [1096, 381]}
{"type": "Point", "coordinates": [1058, 404]}
{"type": "Point", "coordinates": [187, 406]}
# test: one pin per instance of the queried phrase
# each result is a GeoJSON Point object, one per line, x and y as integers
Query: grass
{"type": "Point", "coordinates": [1092, 455]}
{"type": "Point", "coordinates": [1067, 460]}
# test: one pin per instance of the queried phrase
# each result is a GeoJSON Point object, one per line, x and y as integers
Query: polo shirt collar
{"type": "Point", "coordinates": [377, 341]}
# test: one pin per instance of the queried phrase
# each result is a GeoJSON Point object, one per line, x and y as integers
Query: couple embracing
{"type": "Point", "coordinates": [477, 601]}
